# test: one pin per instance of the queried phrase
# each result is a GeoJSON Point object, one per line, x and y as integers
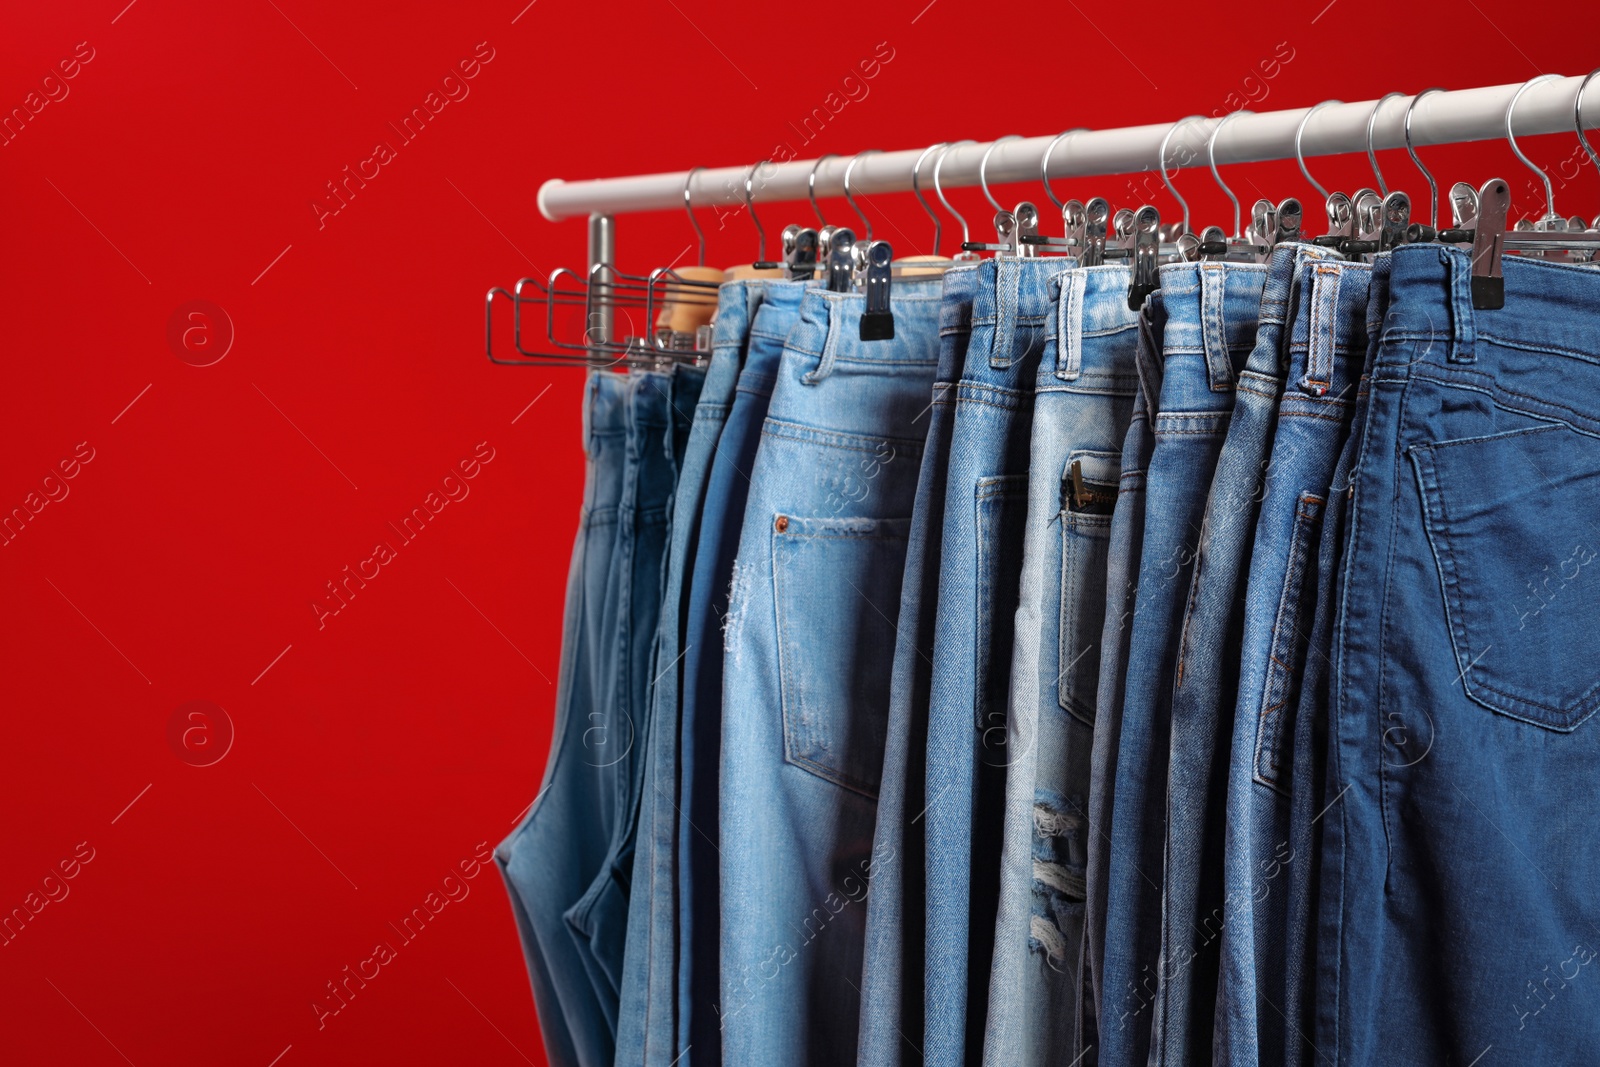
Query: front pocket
{"type": "Point", "coordinates": [837, 589]}
{"type": "Point", "coordinates": [1088, 497]}
{"type": "Point", "coordinates": [1289, 642]}
{"type": "Point", "coordinates": [1514, 523]}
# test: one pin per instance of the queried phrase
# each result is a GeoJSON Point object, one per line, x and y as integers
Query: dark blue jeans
{"type": "Point", "coordinates": [1210, 328]}
{"type": "Point", "coordinates": [1461, 863]}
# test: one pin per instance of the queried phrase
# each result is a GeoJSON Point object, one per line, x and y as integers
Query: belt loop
{"type": "Point", "coordinates": [1149, 363]}
{"type": "Point", "coordinates": [1007, 282]}
{"type": "Point", "coordinates": [1069, 325]}
{"type": "Point", "coordinates": [834, 309]}
{"type": "Point", "coordinates": [1324, 328]}
{"type": "Point", "coordinates": [1213, 330]}
{"type": "Point", "coordinates": [1464, 327]}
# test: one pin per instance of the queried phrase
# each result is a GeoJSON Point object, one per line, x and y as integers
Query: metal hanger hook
{"type": "Point", "coordinates": [1577, 117]}
{"type": "Point", "coordinates": [1372, 156]}
{"type": "Point", "coordinates": [1549, 190]}
{"type": "Point", "coordinates": [1211, 157]}
{"type": "Point", "coordinates": [750, 204]}
{"type": "Point", "coordinates": [1299, 157]}
{"type": "Point", "coordinates": [688, 206]}
{"type": "Point", "coordinates": [938, 165]}
{"type": "Point", "coordinates": [1163, 168]}
{"type": "Point", "coordinates": [916, 191]}
{"type": "Point", "coordinates": [1044, 164]}
{"type": "Point", "coordinates": [983, 167]}
{"type": "Point", "coordinates": [811, 186]}
{"type": "Point", "coordinates": [866, 223]}
{"type": "Point", "coordinates": [1433, 186]}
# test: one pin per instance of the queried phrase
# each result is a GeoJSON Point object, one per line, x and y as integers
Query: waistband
{"type": "Point", "coordinates": [1540, 353]}
{"type": "Point", "coordinates": [1277, 293]}
{"type": "Point", "coordinates": [1329, 338]}
{"type": "Point", "coordinates": [605, 407]}
{"type": "Point", "coordinates": [649, 399]}
{"type": "Point", "coordinates": [1013, 295]}
{"type": "Point", "coordinates": [774, 319]}
{"type": "Point", "coordinates": [829, 328]}
{"type": "Point", "coordinates": [1091, 303]}
{"type": "Point", "coordinates": [955, 319]}
{"type": "Point", "coordinates": [1210, 311]}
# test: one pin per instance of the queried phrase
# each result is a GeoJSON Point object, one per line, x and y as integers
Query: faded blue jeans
{"type": "Point", "coordinates": [809, 632]}
{"type": "Point", "coordinates": [1083, 402]}
{"type": "Point", "coordinates": [647, 1022]}
{"type": "Point", "coordinates": [1328, 342]}
{"type": "Point", "coordinates": [1461, 863]}
{"type": "Point", "coordinates": [755, 328]}
{"type": "Point", "coordinates": [1210, 329]}
{"type": "Point", "coordinates": [558, 853]}
{"type": "Point", "coordinates": [892, 970]}
{"type": "Point", "coordinates": [986, 510]}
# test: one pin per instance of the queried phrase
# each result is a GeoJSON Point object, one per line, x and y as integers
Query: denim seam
{"type": "Point", "coordinates": [835, 439]}
{"type": "Point", "coordinates": [1278, 667]}
{"type": "Point", "coordinates": [1495, 391]}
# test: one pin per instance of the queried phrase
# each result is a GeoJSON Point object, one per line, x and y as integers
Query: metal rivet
{"type": "Point", "coordinates": [782, 524]}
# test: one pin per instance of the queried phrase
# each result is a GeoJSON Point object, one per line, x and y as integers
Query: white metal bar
{"type": "Point", "coordinates": [1440, 118]}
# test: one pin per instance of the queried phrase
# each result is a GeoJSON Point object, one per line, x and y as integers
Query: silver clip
{"type": "Point", "coordinates": [841, 260]}
{"type": "Point", "coordinates": [800, 253]}
{"type": "Point", "coordinates": [1146, 249]}
{"type": "Point", "coordinates": [1488, 236]}
{"type": "Point", "coordinates": [1396, 221]}
{"type": "Point", "coordinates": [1027, 218]}
{"type": "Point", "coordinates": [877, 321]}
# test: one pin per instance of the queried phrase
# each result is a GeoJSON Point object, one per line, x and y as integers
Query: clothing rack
{"type": "Point", "coordinates": [1545, 106]}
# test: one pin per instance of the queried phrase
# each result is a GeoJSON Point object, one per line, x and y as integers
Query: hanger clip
{"type": "Point", "coordinates": [1005, 230]}
{"type": "Point", "coordinates": [800, 254]}
{"type": "Point", "coordinates": [1488, 239]}
{"type": "Point", "coordinates": [841, 260]}
{"type": "Point", "coordinates": [877, 320]}
{"type": "Point", "coordinates": [1146, 250]}
{"type": "Point", "coordinates": [1027, 217]}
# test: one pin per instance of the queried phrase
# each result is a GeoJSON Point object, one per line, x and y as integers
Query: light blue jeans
{"type": "Point", "coordinates": [892, 971]}
{"type": "Point", "coordinates": [1083, 402]}
{"type": "Point", "coordinates": [557, 854]}
{"type": "Point", "coordinates": [647, 1022]}
{"type": "Point", "coordinates": [809, 632]}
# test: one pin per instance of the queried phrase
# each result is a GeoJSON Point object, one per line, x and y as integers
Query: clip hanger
{"type": "Point", "coordinates": [877, 320]}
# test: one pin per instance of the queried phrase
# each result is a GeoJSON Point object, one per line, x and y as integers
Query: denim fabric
{"type": "Point", "coordinates": [892, 968]}
{"type": "Point", "coordinates": [809, 632]}
{"type": "Point", "coordinates": [756, 330]}
{"type": "Point", "coordinates": [1122, 586]}
{"type": "Point", "coordinates": [1205, 686]}
{"type": "Point", "coordinates": [553, 856]}
{"type": "Point", "coordinates": [1210, 329]}
{"type": "Point", "coordinates": [1309, 801]}
{"type": "Point", "coordinates": [986, 502]}
{"type": "Point", "coordinates": [647, 1022]}
{"type": "Point", "coordinates": [1083, 401]}
{"type": "Point", "coordinates": [1460, 864]}
{"type": "Point", "coordinates": [1327, 346]}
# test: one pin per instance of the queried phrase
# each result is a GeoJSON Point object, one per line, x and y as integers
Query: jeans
{"type": "Point", "coordinates": [892, 967]}
{"type": "Point", "coordinates": [979, 579]}
{"type": "Point", "coordinates": [1083, 401]}
{"type": "Point", "coordinates": [752, 328]}
{"type": "Point", "coordinates": [1326, 348]}
{"type": "Point", "coordinates": [809, 630]}
{"type": "Point", "coordinates": [1309, 801]}
{"type": "Point", "coordinates": [647, 1021]}
{"type": "Point", "coordinates": [1204, 693]}
{"type": "Point", "coordinates": [1460, 864]}
{"type": "Point", "coordinates": [1210, 311]}
{"type": "Point", "coordinates": [1122, 585]}
{"type": "Point", "coordinates": [557, 855]}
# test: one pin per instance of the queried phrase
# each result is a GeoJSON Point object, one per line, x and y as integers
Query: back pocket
{"type": "Point", "coordinates": [1514, 523]}
{"type": "Point", "coordinates": [837, 587]}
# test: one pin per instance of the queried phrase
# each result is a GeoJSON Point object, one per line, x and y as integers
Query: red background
{"type": "Point", "coordinates": [371, 756]}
